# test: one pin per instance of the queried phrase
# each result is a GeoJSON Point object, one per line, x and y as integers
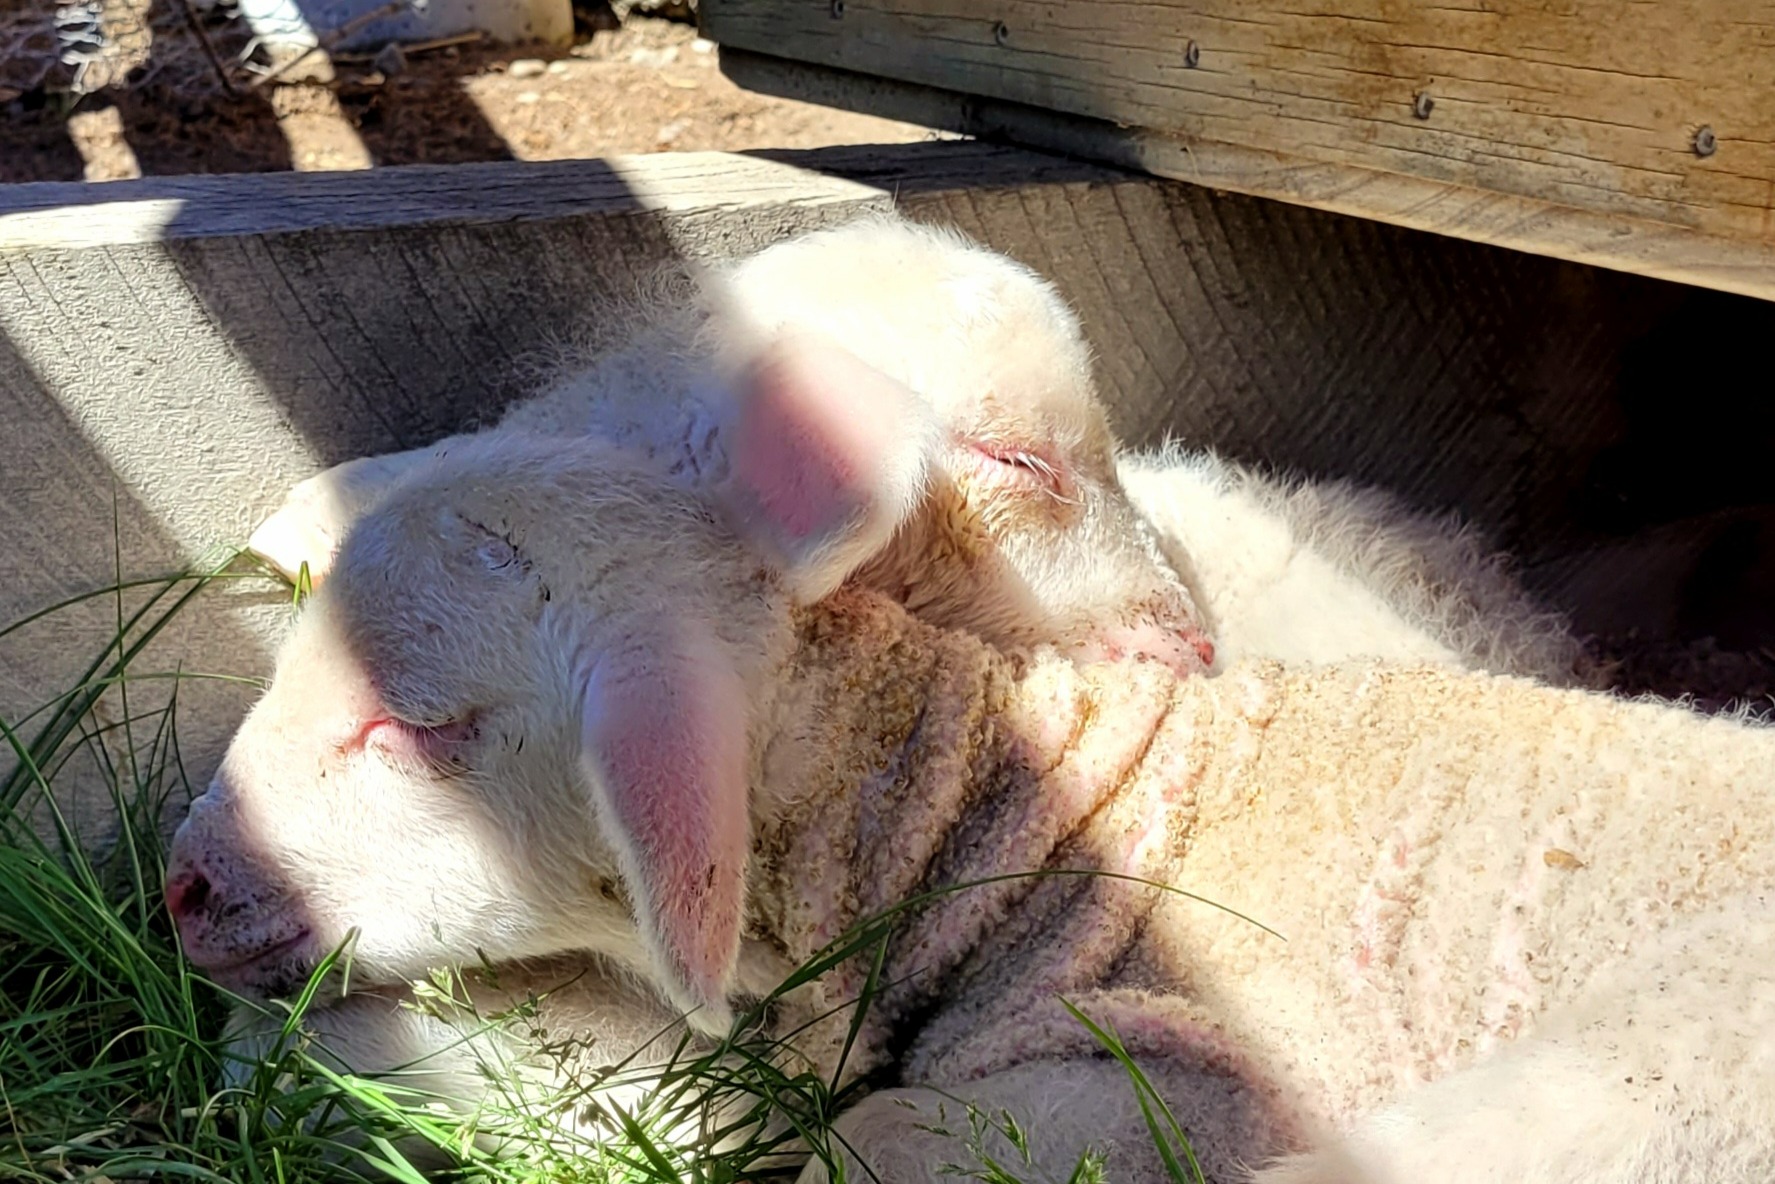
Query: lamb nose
{"type": "Point", "coordinates": [186, 893]}
{"type": "Point", "coordinates": [1200, 643]}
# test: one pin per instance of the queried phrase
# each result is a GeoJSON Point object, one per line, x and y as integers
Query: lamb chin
{"type": "Point", "coordinates": [278, 974]}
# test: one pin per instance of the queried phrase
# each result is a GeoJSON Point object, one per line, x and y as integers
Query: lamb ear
{"type": "Point", "coordinates": [827, 457]}
{"type": "Point", "coordinates": [664, 735]}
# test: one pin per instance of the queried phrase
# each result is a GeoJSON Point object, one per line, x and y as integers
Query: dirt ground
{"type": "Point", "coordinates": [650, 86]}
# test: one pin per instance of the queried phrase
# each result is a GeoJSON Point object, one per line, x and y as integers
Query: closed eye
{"type": "Point", "coordinates": [441, 744]}
{"type": "Point", "coordinates": [1022, 466]}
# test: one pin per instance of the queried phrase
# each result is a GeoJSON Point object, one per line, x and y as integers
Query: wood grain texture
{"type": "Point", "coordinates": [1567, 129]}
{"type": "Point", "coordinates": [170, 209]}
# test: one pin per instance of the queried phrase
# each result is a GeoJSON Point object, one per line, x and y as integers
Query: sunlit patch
{"type": "Point", "coordinates": [320, 135]}
{"type": "Point", "coordinates": [104, 148]}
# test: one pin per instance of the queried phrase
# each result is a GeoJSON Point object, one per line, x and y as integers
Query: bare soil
{"type": "Point", "coordinates": [650, 86]}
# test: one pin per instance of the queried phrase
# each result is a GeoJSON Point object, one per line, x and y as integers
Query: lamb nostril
{"type": "Point", "coordinates": [185, 894]}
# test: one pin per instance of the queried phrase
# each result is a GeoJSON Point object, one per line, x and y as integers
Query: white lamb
{"type": "Point", "coordinates": [1300, 572]}
{"type": "Point", "coordinates": [566, 709]}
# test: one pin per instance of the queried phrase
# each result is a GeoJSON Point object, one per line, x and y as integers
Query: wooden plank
{"type": "Point", "coordinates": [169, 209]}
{"type": "Point", "coordinates": [1635, 245]}
{"type": "Point", "coordinates": [1567, 128]}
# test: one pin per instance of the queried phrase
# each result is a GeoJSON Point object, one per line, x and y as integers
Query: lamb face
{"type": "Point", "coordinates": [1026, 536]}
{"type": "Point", "coordinates": [535, 673]}
{"type": "Point", "coordinates": [412, 773]}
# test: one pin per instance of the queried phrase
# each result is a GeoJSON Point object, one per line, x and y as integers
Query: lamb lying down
{"type": "Point", "coordinates": [1261, 581]}
{"type": "Point", "coordinates": [1022, 534]}
{"type": "Point", "coordinates": [586, 716]}
{"type": "Point", "coordinates": [1303, 573]}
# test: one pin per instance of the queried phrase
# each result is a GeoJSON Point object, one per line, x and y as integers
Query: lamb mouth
{"type": "Point", "coordinates": [277, 970]}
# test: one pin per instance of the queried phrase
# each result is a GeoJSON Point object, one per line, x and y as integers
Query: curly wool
{"type": "Point", "coordinates": [1445, 856]}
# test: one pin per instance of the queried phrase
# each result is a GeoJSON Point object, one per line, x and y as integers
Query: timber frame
{"type": "Point", "coordinates": [1631, 135]}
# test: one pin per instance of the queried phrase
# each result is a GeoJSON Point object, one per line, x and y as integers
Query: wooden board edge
{"type": "Point", "coordinates": [76, 214]}
{"type": "Point", "coordinates": [1620, 243]}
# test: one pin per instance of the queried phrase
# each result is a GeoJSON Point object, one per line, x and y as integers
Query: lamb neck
{"type": "Point", "coordinates": [906, 760]}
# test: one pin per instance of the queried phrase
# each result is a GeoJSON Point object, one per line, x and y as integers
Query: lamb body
{"type": "Point", "coordinates": [1326, 571]}
{"type": "Point", "coordinates": [1300, 572]}
{"type": "Point", "coordinates": [1457, 861]}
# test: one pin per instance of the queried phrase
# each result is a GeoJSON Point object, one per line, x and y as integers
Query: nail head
{"type": "Point", "coordinates": [1422, 104]}
{"type": "Point", "coordinates": [1001, 33]}
{"type": "Point", "coordinates": [1705, 141]}
{"type": "Point", "coordinates": [1192, 55]}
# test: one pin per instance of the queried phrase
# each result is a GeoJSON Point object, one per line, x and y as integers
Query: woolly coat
{"type": "Point", "coordinates": [1438, 857]}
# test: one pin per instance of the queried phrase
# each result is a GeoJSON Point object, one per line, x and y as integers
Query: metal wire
{"type": "Point", "coordinates": [80, 47]}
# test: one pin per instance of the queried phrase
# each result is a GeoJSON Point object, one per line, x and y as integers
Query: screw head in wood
{"type": "Point", "coordinates": [1706, 143]}
{"type": "Point", "coordinates": [1192, 55]}
{"type": "Point", "coordinates": [837, 10]}
{"type": "Point", "coordinates": [1001, 33]}
{"type": "Point", "coordinates": [1422, 104]}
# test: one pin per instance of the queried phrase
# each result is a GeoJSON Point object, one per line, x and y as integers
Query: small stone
{"type": "Point", "coordinates": [702, 45]}
{"type": "Point", "coordinates": [526, 68]}
{"type": "Point", "coordinates": [560, 67]}
{"type": "Point", "coordinates": [390, 60]}
{"type": "Point", "coordinates": [528, 97]}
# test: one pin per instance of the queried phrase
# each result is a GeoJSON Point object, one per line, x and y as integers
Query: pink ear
{"type": "Point", "coordinates": [827, 457]}
{"type": "Point", "coordinates": [665, 744]}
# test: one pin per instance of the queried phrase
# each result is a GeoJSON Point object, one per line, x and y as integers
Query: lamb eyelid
{"type": "Point", "coordinates": [455, 728]}
{"type": "Point", "coordinates": [1019, 458]}
{"type": "Point", "coordinates": [368, 728]}
{"type": "Point", "coordinates": [1033, 465]}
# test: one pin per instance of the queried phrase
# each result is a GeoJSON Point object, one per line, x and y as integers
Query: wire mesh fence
{"type": "Point", "coordinates": [199, 48]}
{"type": "Point", "coordinates": [190, 48]}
